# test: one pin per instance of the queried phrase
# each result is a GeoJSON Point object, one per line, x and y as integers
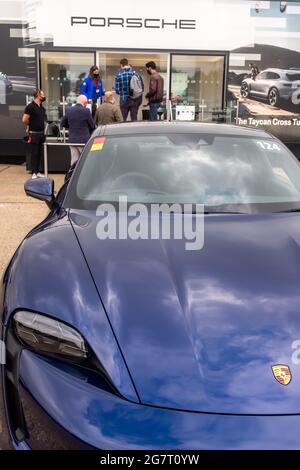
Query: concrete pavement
{"type": "Point", "coordinates": [18, 213]}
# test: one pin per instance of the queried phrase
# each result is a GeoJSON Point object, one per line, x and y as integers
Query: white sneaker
{"type": "Point", "coordinates": [40, 175]}
{"type": "Point", "coordinates": [34, 176]}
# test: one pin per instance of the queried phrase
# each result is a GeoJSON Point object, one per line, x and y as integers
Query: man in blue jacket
{"type": "Point", "coordinates": [92, 87]}
{"type": "Point", "coordinates": [79, 121]}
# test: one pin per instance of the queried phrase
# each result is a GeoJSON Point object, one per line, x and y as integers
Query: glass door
{"type": "Point", "coordinates": [109, 64]}
{"type": "Point", "coordinates": [197, 87]}
{"type": "Point", "coordinates": [62, 76]}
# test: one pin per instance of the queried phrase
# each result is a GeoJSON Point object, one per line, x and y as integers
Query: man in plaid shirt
{"type": "Point", "coordinates": [122, 88]}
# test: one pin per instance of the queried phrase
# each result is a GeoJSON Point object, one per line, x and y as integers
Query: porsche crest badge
{"type": "Point", "coordinates": [282, 374]}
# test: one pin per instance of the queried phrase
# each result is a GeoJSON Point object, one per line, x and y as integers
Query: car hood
{"type": "Point", "coordinates": [201, 330]}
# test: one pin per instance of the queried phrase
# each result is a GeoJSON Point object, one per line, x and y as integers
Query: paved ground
{"type": "Point", "coordinates": [18, 213]}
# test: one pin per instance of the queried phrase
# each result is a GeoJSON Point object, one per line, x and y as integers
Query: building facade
{"type": "Point", "coordinates": [222, 60]}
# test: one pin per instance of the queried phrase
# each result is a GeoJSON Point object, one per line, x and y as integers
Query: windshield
{"type": "Point", "coordinates": [225, 173]}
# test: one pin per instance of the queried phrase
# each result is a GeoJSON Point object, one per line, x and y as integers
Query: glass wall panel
{"type": "Point", "coordinates": [109, 63]}
{"type": "Point", "coordinates": [197, 82]}
{"type": "Point", "coordinates": [62, 75]}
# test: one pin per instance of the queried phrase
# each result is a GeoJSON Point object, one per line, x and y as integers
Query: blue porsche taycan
{"type": "Point", "coordinates": [136, 342]}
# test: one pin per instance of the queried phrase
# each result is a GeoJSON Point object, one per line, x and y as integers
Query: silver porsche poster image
{"type": "Point", "coordinates": [264, 77]}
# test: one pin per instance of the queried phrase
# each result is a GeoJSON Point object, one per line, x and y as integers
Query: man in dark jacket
{"type": "Point", "coordinates": [79, 121]}
{"type": "Point", "coordinates": [156, 90]}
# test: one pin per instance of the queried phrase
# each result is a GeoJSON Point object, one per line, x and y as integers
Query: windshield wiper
{"type": "Point", "coordinates": [288, 210]}
{"type": "Point", "coordinates": [224, 212]}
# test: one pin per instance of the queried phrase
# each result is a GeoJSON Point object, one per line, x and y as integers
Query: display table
{"type": "Point", "coordinates": [58, 156]}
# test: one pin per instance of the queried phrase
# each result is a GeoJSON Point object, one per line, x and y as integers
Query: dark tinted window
{"type": "Point", "coordinates": [273, 76]}
{"type": "Point", "coordinates": [293, 76]}
{"type": "Point", "coordinates": [261, 76]}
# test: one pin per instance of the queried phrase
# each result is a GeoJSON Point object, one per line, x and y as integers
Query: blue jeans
{"type": "Point", "coordinates": [153, 108]}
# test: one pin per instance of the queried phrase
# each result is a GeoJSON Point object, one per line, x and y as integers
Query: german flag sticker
{"type": "Point", "coordinates": [98, 144]}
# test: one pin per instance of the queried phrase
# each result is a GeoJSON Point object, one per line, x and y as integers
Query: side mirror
{"type": "Point", "coordinates": [42, 189]}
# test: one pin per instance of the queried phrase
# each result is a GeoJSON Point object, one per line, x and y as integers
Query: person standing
{"type": "Point", "coordinates": [79, 121]}
{"type": "Point", "coordinates": [34, 118]}
{"type": "Point", "coordinates": [92, 87]}
{"type": "Point", "coordinates": [136, 89]}
{"type": "Point", "coordinates": [254, 71]}
{"type": "Point", "coordinates": [108, 112]}
{"type": "Point", "coordinates": [156, 90]}
{"type": "Point", "coordinates": [128, 103]}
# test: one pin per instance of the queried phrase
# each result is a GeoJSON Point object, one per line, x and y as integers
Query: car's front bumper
{"type": "Point", "coordinates": [60, 408]}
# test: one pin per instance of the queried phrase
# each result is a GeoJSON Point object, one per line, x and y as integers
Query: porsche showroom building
{"type": "Point", "coordinates": [204, 53]}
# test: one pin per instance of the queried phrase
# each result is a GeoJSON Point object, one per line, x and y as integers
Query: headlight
{"type": "Point", "coordinates": [45, 334]}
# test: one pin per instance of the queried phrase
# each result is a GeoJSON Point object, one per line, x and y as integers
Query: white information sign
{"type": "Point", "coordinates": [2, 92]}
{"type": "Point", "coordinates": [185, 113]}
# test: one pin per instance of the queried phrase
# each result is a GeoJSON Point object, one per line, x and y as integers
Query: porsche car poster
{"type": "Point", "coordinates": [264, 77]}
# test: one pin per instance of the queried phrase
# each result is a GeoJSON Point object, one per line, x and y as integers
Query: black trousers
{"type": "Point", "coordinates": [36, 151]}
{"type": "Point", "coordinates": [131, 106]}
{"type": "Point", "coordinates": [94, 108]}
